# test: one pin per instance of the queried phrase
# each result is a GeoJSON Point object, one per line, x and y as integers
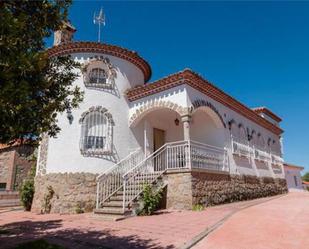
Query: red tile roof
{"type": "Point", "coordinates": [194, 80]}
{"type": "Point", "coordinates": [95, 47]}
{"type": "Point", "coordinates": [293, 166]}
{"type": "Point", "coordinates": [268, 112]}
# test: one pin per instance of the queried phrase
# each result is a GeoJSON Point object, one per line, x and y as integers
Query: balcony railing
{"type": "Point", "coordinates": [261, 155]}
{"type": "Point", "coordinates": [195, 155]}
{"type": "Point", "coordinates": [241, 148]}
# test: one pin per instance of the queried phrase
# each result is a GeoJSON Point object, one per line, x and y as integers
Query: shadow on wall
{"type": "Point", "coordinates": [72, 237]}
{"type": "Point", "coordinates": [112, 157]}
{"type": "Point", "coordinates": [242, 162]}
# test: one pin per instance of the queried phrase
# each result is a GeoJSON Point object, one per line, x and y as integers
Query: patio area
{"type": "Point", "coordinates": [166, 229]}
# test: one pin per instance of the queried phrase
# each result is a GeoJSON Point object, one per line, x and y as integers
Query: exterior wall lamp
{"type": "Point", "coordinates": [176, 121]}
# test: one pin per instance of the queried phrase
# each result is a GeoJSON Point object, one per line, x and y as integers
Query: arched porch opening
{"type": "Point", "coordinates": [207, 127]}
{"type": "Point", "coordinates": [155, 127]}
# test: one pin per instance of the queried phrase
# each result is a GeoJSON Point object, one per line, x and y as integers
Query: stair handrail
{"type": "Point", "coordinates": [111, 181]}
{"type": "Point", "coordinates": [150, 178]}
{"type": "Point", "coordinates": [138, 150]}
{"type": "Point", "coordinates": [145, 159]}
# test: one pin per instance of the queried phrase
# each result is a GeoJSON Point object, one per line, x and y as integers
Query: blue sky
{"type": "Point", "coordinates": [258, 52]}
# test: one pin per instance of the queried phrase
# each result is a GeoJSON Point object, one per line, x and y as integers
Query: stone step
{"type": "Point", "coordinates": [116, 198]}
{"type": "Point", "coordinates": [109, 210]}
{"type": "Point", "coordinates": [117, 203]}
{"type": "Point", "coordinates": [109, 217]}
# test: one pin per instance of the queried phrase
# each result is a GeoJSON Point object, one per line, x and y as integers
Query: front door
{"type": "Point", "coordinates": [159, 157]}
{"type": "Point", "coordinates": [158, 138]}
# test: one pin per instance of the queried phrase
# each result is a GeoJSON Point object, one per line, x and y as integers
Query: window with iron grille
{"type": "Point", "coordinates": [98, 76]}
{"type": "Point", "coordinates": [96, 132]}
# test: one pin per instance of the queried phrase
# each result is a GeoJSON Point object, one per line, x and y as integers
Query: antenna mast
{"type": "Point", "coordinates": [100, 19]}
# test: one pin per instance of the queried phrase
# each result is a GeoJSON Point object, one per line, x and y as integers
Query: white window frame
{"type": "Point", "coordinates": [99, 64]}
{"type": "Point", "coordinates": [96, 132]}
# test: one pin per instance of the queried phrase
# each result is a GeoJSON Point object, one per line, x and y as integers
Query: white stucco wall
{"type": "Point", "coordinates": [239, 165]}
{"type": "Point", "coordinates": [293, 177]}
{"type": "Point", "coordinates": [64, 153]}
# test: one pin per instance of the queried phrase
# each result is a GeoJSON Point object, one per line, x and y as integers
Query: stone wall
{"type": "Point", "coordinates": [212, 189]}
{"type": "Point", "coordinates": [179, 191]}
{"type": "Point", "coordinates": [186, 189]}
{"type": "Point", "coordinates": [73, 192]}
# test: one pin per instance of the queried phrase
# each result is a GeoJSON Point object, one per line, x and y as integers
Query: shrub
{"type": "Point", "coordinates": [47, 199]}
{"type": "Point", "coordinates": [79, 207]}
{"type": "Point", "coordinates": [26, 191]}
{"type": "Point", "coordinates": [150, 199]}
{"type": "Point", "coordinates": [198, 207]}
{"type": "Point", "coordinates": [26, 194]}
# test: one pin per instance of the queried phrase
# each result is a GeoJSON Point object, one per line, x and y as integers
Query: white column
{"type": "Point", "coordinates": [186, 136]}
{"type": "Point", "coordinates": [186, 127]}
{"type": "Point", "coordinates": [146, 140]}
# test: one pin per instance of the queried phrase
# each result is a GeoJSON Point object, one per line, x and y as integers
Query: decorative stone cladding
{"type": "Point", "coordinates": [139, 113]}
{"type": "Point", "coordinates": [42, 157]}
{"type": "Point", "coordinates": [186, 189]}
{"type": "Point", "coordinates": [72, 192]}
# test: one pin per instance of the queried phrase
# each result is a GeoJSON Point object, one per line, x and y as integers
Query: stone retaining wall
{"type": "Point", "coordinates": [73, 192]}
{"type": "Point", "coordinates": [212, 189]}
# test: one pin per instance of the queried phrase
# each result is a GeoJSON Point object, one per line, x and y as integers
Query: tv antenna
{"type": "Point", "coordinates": [99, 19]}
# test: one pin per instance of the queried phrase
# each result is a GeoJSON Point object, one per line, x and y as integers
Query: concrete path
{"type": "Point", "coordinates": [282, 223]}
{"type": "Point", "coordinates": [167, 229]}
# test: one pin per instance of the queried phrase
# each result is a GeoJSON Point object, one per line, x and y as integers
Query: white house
{"type": "Point", "coordinates": [293, 176]}
{"type": "Point", "coordinates": [128, 132]}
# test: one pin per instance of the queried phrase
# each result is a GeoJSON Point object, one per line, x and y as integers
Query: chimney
{"type": "Point", "coordinates": [65, 34]}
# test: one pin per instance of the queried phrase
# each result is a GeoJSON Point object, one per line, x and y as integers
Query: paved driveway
{"type": "Point", "coordinates": [282, 223]}
{"type": "Point", "coordinates": [168, 229]}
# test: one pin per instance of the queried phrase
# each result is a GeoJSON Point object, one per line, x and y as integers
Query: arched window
{"type": "Point", "coordinates": [97, 132]}
{"type": "Point", "coordinates": [97, 76]}
{"type": "Point", "coordinates": [243, 136]}
{"type": "Point", "coordinates": [99, 73]}
{"type": "Point", "coordinates": [261, 141]}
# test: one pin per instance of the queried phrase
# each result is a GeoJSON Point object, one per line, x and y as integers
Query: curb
{"type": "Point", "coordinates": [210, 229]}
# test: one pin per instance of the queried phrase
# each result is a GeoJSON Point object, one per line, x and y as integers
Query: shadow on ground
{"type": "Point", "coordinates": [52, 231]}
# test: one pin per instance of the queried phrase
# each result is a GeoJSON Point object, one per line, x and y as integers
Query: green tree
{"type": "Point", "coordinates": [305, 177]}
{"type": "Point", "coordinates": [33, 86]}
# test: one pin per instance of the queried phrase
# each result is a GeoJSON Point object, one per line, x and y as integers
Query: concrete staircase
{"type": "Point", "coordinates": [112, 208]}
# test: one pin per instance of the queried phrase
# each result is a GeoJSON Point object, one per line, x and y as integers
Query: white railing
{"type": "Point", "coordinates": [172, 156]}
{"type": "Point", "coordinates": [111, 180]}
{"type": "Point", "coordinates": [208, 157]}
{"type": "Point", "coordinates": [261, 155]}
{"type": "Point", "coordinates": [146, 172]}
{"type": "Point", "coordinates": [241, 148]}
{"type": "Point", "coordinates": [276, 160]}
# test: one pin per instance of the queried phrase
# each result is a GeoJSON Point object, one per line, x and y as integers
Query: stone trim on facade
{"type": "Point", "coordinates": [197, 82]}
{"type": "Point", "coordinates": [95, 47]}
{"type": "Point", "coordinates": [73, 192]}
{"type": "Point", "coordinates": [186, 189]}
{"type": "Point", "coordinates": [156, 104]}
{"type": "Point", "coordinates": [42, 155]}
